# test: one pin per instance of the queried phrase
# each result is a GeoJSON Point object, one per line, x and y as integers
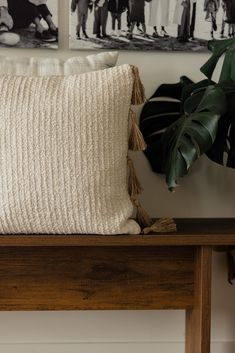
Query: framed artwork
{"type": "Point", "coordinates": [169, 25]}
{"type": "Point", "coordinates": [29, 23]}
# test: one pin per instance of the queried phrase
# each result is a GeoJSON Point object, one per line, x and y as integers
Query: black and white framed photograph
{"type": "Point", "coordinates": [29, 23]}
{"type": "Point", "coordinates": [169, 25]}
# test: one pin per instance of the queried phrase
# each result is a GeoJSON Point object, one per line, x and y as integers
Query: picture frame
{"type": "Point", "coordinates": [29, 24]}
{"type": "Point", "coordinates": [149, 25]}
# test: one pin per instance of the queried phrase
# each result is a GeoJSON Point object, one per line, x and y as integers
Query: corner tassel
{"type": "Point", "coordinates": [164, 225]}
{"type": "Point", "coordinates": [231, 267]}
{"type": "Point", "coordinates": [142, 217]}
{"type": "Point", "coordinates": [138, 94]}
{"type": "Point", "coordinates": [134, 187]}
{"type": "Point", "coordinates": [136, 140]}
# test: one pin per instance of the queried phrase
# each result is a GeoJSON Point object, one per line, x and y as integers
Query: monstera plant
{"type": "Point", "coordinates": [185, 120]}
{"type": "Point", "coordinates": [191, 119]}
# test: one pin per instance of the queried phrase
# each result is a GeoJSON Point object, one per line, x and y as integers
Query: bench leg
{"type": "Point", "coordinates": [198, 319]}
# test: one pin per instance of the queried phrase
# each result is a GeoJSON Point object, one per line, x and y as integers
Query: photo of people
{"type": "Point", "coordinates": [29, 23]}
{"type": "Point", "coordinates": [169, 25]}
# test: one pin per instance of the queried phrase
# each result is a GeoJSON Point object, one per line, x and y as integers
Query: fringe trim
{"type": "Point", "coordinates": [134, 186]}
{"type": "Point", "coordinates": [138, 93]}
{"type": "Point", "coordinates": [136, 140]}
{"type": "Point", "coordinates": [231, 267]}
{"type": "Point", "coordinates": [134, 189]}
{"type": "Point", "coordinates": [164, 225]}
{"type": "Point", "coordinates": [142, 217]}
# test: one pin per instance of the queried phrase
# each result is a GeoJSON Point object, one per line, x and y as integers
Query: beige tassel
{"type": "Point", "coordinates": [138, 94]}
{"type": "Point", "coordinates": [136, 140]}
{"type": "Point", "coordinates": [134, 187]}
{"type": "Point", "coordinates": [164, 225]}
{"type": "Point", "coordinates": [142, 217]}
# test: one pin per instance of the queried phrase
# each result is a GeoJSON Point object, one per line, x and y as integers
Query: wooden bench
{"type": "Point", "coordinates": [78, 272]}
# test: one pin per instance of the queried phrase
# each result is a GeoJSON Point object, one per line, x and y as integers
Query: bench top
{"type": "Point", "coordinates": [191, 232]}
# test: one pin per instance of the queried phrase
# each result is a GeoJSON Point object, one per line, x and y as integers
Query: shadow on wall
{"type": "Point", "coordinates": [229, 348]}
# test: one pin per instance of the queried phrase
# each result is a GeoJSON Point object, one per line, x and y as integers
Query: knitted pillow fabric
{"type": "Point", "coordinates": [55, 67]}
{"type": "Point", "coordinates": [63, 153]}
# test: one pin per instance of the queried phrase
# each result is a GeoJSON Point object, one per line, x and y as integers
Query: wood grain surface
{"type": "Point", "coordinates": [198, 319]}
{"type": "Point", "coordinates": [79, 272]}
{"type": "Point", "coordinates": [69, 278]}
{"type": "Point", "coordinates": [213, 232]}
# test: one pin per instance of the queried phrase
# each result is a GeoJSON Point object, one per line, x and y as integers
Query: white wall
{"type": "Point", "coordinates": [209, 191]}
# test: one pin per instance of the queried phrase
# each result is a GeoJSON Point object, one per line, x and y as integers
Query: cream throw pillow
{"type": "Point", "coordinates": [53, 66]}
{"type": "Point", "coordinates": [63, 150]}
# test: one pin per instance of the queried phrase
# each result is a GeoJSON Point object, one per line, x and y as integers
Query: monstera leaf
{"type": "Point", "coordinates": [192, 95]}
{"type": "Point", "coordinates": [193, 134]}
{"type": "Point", "coordinates": [218, 48]}
{"type": "Point", "coordinates": [182, 121]}
{"type": "Point", "coordinates": [164, 108]}
{"type": "Point", "coordinates": [161, 110]}
{"type": "Point", "coordinates": [223, 149]}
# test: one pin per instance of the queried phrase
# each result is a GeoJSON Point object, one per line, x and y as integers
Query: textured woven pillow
{"type": "Point", "coordinates": [56, 67]}
{"type": "Point", "coordinates": [63, 153]}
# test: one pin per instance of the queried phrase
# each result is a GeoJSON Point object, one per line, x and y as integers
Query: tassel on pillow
{"type": "Point", "coordinates": [136, 140]}
{"type": "Point", "coordinates": [164, 225]}
{"type": "Point", "coordinates": [134, 187]}
{"type": "Point", "coordinates": [138, 94]}
{"type": "Point", "coordinates": [137, 143]}
{"type": "Point", "coordinates": [142, 216]}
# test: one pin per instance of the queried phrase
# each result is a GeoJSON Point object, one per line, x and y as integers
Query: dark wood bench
{"type": "Point", "coordinates": [78, 272]}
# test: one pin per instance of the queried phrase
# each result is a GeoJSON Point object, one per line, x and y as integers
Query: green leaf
{"type": "Point", "coordinates": [192, 88]}
{"type": "Point", "coordinates": [191, 104]}
{"type": "Point", "coordinates": [233, 66]}
{"type": "Point", "coordinates": [225, 75]}
{"type": "Point", "coordinates": [193, 134]}
{"type": "Point", "coordinates": [171, 90]}
{"type": "Point", "coordinates": [214, 100]}
{"type": "Point", "coordinates": [228, 87]}
{"type": "Point", "coordinates": [218, 47]}
{"type": "Point", "coordinates": [157, 115]}
{"type": "Point", "coordinates": [223, 149]}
